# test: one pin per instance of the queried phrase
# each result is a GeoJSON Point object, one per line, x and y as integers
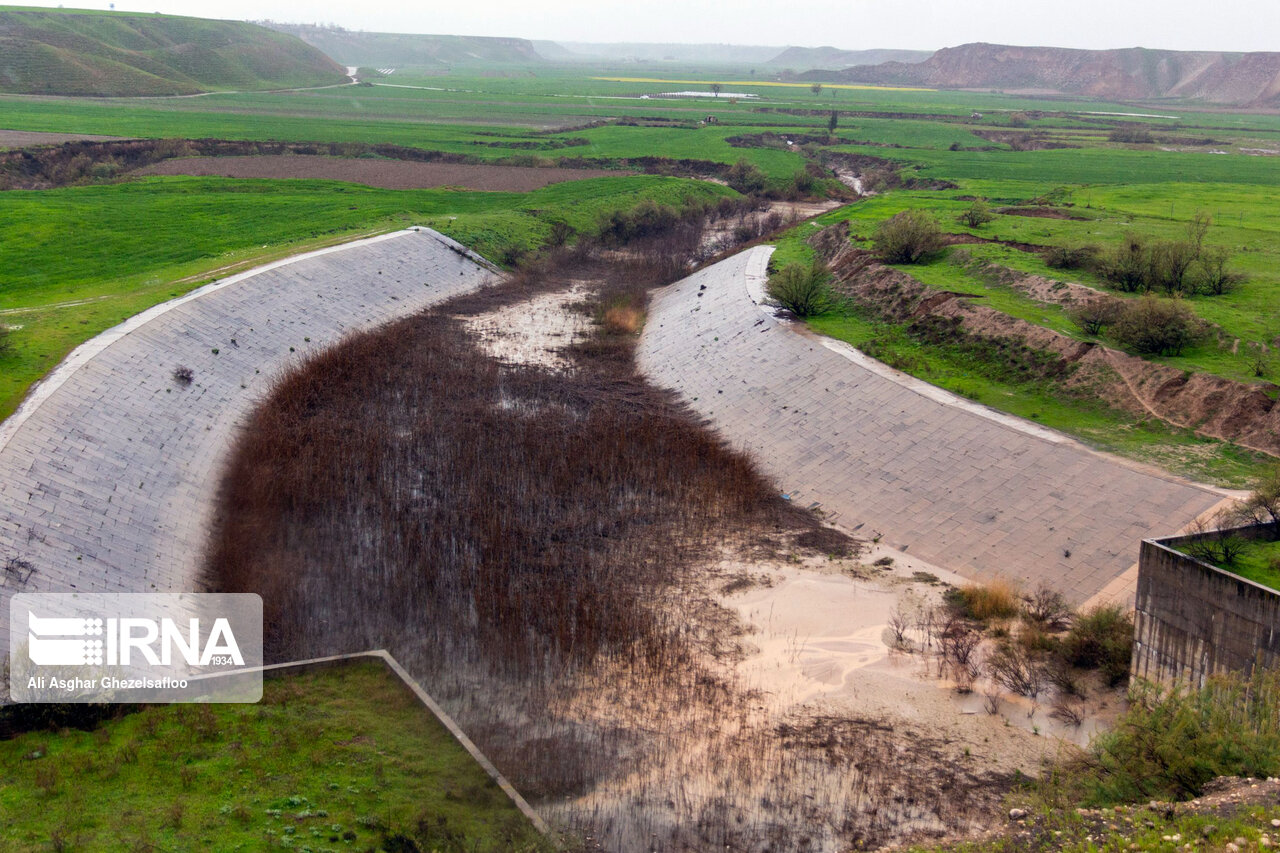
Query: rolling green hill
{"type": "Point", "coordinates": [380, 50]}
{"type": "Point", "coordinates": [75, 52]}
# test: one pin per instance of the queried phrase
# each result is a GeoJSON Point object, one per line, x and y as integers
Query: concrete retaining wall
{"type": "Point", "coordinates": [1194, 620]}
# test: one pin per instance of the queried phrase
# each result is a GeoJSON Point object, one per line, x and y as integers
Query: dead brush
{"type": "Point", "coordinates": [623, 320]}
{"type": "Point", "coordinates": [525, 541]}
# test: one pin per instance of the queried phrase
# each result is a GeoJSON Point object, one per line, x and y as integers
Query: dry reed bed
{"type": "Point", "coordinates": [531, 542]}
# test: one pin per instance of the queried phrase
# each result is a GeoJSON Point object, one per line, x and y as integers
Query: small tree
{"type": "Point", "coordinates": [1095, 314]}
{"type": "Point", "coordinates": [816, 88]}
{"type": "Point", "coordinates": [977, 214]}
{"type": "Point", "coordinates": [910, 237]}
{"type": "Point", "coordinates": [832, 123]}
{"type": "Point", "coordinates": [715, 89]}
{"type": "Point", "coordinates": [1168, 265]}
{"type": "Point", "coordinates": [744, 177]}
{"type": "Point", "coordinates": [804, 291]}
{"type": "Point", "coordinates": [1213, 277]}
{"type": "Point", "coordinates": [1263, 505]}
{"type": "Point", "coordinates": [1126, 267]}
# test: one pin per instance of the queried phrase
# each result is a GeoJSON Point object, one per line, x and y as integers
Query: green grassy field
{"type": "Point", "coordinates": [1244, 221]}
{"type": "Point", "coordinates": [545, 114]}
{"type": "Point", "coordinates": [337, 759]}
{"type": "Point", "coordinates": [79, 260]}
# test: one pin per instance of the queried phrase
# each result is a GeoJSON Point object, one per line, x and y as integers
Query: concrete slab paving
{"type": "Point", "coordinates": [966, 488]}
{"type": "Point", "coordinates": [109, 469]}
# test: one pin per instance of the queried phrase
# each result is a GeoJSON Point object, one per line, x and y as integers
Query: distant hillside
{"type": "Point", "coordinates": [1238, 79]}
{"type": "Point", "coordinates": [393, 50]}
{"type": "Point", "coordinates": [803, 58]}
{"type": "Point", "coordinates": [690, 54]}
{"type": "Point", "coordinates": [74, 52]}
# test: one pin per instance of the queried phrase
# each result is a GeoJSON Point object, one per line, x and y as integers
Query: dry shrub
{"type": "Point", "coordinates": [986, 602]}
{"type": "Point", "coordinates": [623, 320]}
{"type": "Point", "coordinates": [1154, 326]}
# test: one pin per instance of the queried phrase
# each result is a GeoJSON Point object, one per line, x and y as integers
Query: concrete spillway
{"type": "Point", "coordinates": [108, 471]}
{"type": "Point", "coordinates": [951, 482]}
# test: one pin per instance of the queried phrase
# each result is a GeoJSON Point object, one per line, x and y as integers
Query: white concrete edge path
{"type": "Point", "coordinates": [81, 355]}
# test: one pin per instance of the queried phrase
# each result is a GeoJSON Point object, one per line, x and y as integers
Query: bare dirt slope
{"type": "Point", "coordinates": [23, 138]}
{"type": "Point", "coordinates": [1244, 79]}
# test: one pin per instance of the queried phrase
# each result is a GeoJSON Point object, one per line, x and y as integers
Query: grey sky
{"type": "Point", "coordinates": [853, 24]}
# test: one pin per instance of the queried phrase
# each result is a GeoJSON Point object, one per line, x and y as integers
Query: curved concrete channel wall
{"type": "Point", "coordinates": [109, 470]}
{"type": "Point", "coordinates": [939, 477]}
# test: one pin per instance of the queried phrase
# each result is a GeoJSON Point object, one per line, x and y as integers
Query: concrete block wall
{"type": "Point", "coordinates": [1193, 620]}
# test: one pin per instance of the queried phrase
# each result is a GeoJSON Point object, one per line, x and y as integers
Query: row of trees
{"type": "Point", "coordinates": [1186, 266]}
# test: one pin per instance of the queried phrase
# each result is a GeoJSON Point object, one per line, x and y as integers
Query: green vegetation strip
{"type": "Point", "coordinates": [342, 758]}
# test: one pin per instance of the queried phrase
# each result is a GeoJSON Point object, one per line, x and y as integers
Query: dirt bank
{"type": "Point", "coordinates": [375, 172]}
{"type": "Point", "coordinates": [1243, 413]}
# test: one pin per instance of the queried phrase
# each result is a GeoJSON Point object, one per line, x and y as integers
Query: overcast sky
{"type": "Point", "coordinates": [850, 24]}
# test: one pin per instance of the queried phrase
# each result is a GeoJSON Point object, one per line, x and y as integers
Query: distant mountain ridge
{"type": "Point", "coordinates": [804, 58]}
{"type": "Point", "coordinates": [74, 52]}
{"type": "Point", "coordinates": [1233, 79]}
{"type": "Point", "coordinates": [724, 54]}
{"type": "Point", "coordinates": [381, 50]}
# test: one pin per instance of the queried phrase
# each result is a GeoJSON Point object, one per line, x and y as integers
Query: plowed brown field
{"type": "Point", "coordinates": [387, 174]}
{"type": "Point", "coordinates": [23, 138]}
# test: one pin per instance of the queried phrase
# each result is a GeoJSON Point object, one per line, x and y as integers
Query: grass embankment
{"type": "Point", "coordinates": [71, 270]}
{"type": "Point", "coordinates": [337, 759]}
{"type": "Point", "coordinates": [1246, 324]}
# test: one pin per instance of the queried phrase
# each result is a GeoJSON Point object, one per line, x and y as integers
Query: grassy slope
{"type": "Point", "coordinates": [1244, 221]}
{"type": "Point", "coordinates": [383, 50]}
{"type": "Point", "coordinates": [50, 51]}
{"type": "Point", "coordinates": [325, 761]}
{"type": "Point", "coordinates": [161, 234]}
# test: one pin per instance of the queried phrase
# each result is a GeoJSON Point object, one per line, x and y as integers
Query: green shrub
{"type": "Point", "coordinates": [1133, 136]}
{"type": "Point", "coordinates": [910, 237]}
{"type": "Point", "coordinates": [1168, 744]}
{"type": "Point", "coordinates": [1094, 315]}
{"type": "Point", "coordinates": [1157, 326]}
{"type": "Point", "coordinates": [1101, 639]}
{"type": "Point", "coordinates": [977, 214]}
{"type": "Point", "coordinates": [804, 291]}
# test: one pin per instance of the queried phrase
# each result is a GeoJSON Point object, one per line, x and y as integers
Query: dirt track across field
{"type": "Point", "coordinates": [23, 138]}
{"type": "Point", "coordinates": [387, 174]}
